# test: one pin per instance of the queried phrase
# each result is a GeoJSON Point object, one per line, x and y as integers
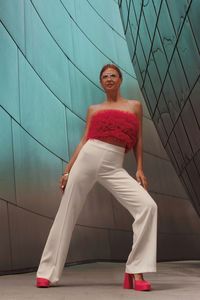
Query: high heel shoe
{"type": "Point", "coordinates": [138, 285]}
{"type": "Point", "coordinates": [42, 282]}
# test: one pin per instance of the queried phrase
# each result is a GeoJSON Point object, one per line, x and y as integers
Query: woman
{"type": "Point", "coordinates": [112, 128]}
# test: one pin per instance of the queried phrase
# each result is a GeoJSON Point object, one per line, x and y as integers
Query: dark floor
{"type": "Point", "coordinates": [174, 280]}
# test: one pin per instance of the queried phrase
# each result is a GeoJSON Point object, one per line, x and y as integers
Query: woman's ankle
{"type": "Point", "coordinates": [138, 276]}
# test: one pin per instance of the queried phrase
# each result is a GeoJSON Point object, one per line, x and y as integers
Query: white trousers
{"type": "Point", "coordinates": [102, 162]}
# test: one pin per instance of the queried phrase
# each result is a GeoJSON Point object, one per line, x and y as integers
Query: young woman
{"type": "Point", "coordinates": [113, 127]}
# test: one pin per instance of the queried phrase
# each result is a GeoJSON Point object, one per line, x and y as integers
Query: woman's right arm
{"type": "Point", "coordinates": [63, 179]}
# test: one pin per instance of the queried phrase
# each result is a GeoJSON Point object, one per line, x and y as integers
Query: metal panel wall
{"type": "Point", "coordinates": [163, 41]}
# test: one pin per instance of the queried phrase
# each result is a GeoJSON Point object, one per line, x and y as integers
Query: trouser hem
{"type": "Point", "coordinates": [144, 270]}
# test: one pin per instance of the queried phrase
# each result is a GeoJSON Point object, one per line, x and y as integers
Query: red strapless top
{"type": "Point", "coordinates": [114, 124]}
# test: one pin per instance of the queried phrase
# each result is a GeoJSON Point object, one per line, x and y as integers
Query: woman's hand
{"type": "Point", "coordinates": [141, 179]}
{"type": "Point", "coordinates": [63, 181]}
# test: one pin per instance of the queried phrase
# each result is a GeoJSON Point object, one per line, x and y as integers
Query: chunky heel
{"type": "Point", "coordinates": [137, 285]}
{"type": "Point", "coordinates": [42, 282]}
{"type": "Point", "coordinates": [128, 281]}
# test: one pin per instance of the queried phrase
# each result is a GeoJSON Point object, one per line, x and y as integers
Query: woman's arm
{"type": "Point", "coordinates": [82, 142]}
{"type": "Point", "coordinates": [138, 150]}
{"type": "Point", "coordinates": [63, 179]}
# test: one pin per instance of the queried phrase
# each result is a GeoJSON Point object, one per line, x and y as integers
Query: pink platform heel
{"type": "Point", "coordinates": [42, 283]}
{"type": "Point", "coordinates": [138, 285]}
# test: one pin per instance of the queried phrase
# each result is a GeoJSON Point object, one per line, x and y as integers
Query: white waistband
{"type": "Point", "coordinates": [107, 146]}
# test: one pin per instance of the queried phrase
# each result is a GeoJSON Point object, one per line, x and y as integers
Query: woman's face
{"type": "Point", "coordinates": [110, 80]}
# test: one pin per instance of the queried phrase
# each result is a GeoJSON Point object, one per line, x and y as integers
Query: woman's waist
{"type": "Point", "coordinates": [114, 141]}
{"type": "Point", "coordinates": [109, 143]}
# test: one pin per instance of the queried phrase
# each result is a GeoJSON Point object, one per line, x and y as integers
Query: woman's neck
{"type": "Point", "coordinates": [113, 97]}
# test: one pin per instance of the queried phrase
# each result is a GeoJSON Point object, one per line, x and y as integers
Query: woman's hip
{"type": "Point", "coordinates": [96, 155]}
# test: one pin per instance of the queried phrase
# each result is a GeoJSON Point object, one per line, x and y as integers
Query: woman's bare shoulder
{"type": "Point", "coordinates": [92, 108]}
{"type": "Point", "coordinates": [135, 102]}
{"type": "Point", "coordinates": [136, 107]}
{"type": "Point", "coordinates": [95, 107]}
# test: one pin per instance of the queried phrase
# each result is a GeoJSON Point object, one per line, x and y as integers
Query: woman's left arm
{"type": "Point", "coordinates": [138, 150]}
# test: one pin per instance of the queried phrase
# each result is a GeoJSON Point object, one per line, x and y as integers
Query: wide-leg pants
{"type": "Point", "coordinates": [102, 162]}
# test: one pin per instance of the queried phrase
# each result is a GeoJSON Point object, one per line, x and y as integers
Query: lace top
{"type": "Point", "coordinates": [114, 124]}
